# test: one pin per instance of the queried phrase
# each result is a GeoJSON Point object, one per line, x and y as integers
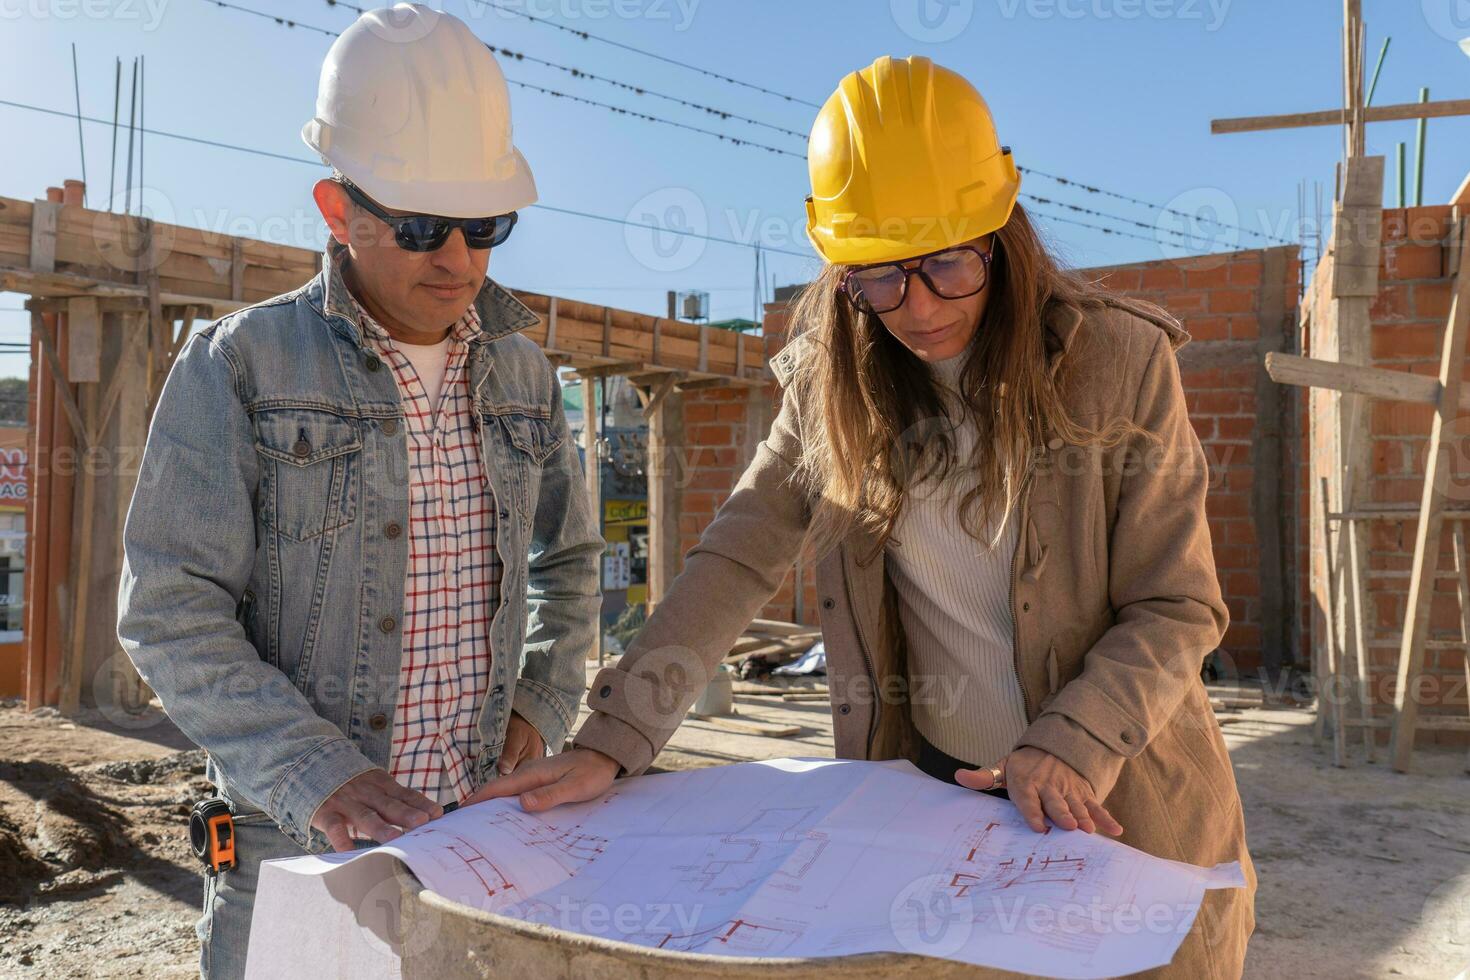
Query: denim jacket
{"type": "Point", "coordinates": [266, 546]}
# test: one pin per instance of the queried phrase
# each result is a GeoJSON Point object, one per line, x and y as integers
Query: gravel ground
{"type": "Point", "coordinates": [1363, 872]}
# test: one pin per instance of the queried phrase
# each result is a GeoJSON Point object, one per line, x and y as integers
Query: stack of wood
{"type": "Point", "coordinates": [769, 643]}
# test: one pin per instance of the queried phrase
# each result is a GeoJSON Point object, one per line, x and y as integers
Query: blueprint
{"type": "Point", "coordinates": [789, 858]}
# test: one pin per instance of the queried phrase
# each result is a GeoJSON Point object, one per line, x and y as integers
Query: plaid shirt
{"type": "Point", "coordinates": [454, 572]}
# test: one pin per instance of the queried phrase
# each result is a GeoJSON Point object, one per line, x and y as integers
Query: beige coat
{"type": "Point", "coordinates": [1114, 597]}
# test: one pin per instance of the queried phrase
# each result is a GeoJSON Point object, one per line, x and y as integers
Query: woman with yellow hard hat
{"type": "Point", "coordinates": [993, 462]}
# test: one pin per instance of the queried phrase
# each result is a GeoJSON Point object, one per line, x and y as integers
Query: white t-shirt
{"type": "Point", "coordinates": [430, 362]}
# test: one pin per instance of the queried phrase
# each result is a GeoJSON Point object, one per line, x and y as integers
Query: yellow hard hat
{"type": "Point", "coordinates": [904, 160]}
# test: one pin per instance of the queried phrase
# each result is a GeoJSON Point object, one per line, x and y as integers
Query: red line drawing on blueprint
{"type": "Point", "coordinates": [738, 935]}
{"type": "Point", "coordinates": [1041, 866]}
{"type": "Point", "coordinates": [774, 836]}
{"type": "Point", "coordinates": [570, 848]}
{"type": "Point", "coordinates": [476, 862]}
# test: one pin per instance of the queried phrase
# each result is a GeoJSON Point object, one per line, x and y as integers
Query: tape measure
{"type": "Point", "coordinates": [212, 835]}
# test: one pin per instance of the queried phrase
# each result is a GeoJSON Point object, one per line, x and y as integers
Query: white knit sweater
{"type": "Point", "coordinates": [954, 605]}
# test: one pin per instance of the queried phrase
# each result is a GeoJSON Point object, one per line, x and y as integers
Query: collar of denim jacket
{"type": "Point", "coordinates": [501, 313]}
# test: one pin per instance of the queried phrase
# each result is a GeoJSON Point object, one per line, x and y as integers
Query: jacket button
{"type": "Point", "coordinates": [378, 722]}
{"type": "Point", "coordinates": [505, 515]}
{"type": "Point", "coordinates": [387, 624]}
{"type": "Point", "coordinates": [373, 363]}
{"type": "Point", "coordinates": [605, 691]}
{"type": "Point", "coordinates": [828, 603]}
{"type": "Point", "coordinates": [1055, 445]}
{"type": "Point", "coordinates": [302, 448]}
{"type": "Point", "coordinates": [845, 709]}
{"type": "Point", "coordinates": [393, 530]}
{"type": "Point", "coordinates": [1127, 737]}
{"type": "Point", "coordinates": [390, 427]}
{"type": "Point", "coordinates": [1025, 607]}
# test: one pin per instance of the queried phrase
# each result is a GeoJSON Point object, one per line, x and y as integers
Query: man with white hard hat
{"type": "Point", "coordinates": [361, 571]}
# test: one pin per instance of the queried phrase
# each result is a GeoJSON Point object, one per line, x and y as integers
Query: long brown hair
{"type": "Point", "coordinates": [880, 423]}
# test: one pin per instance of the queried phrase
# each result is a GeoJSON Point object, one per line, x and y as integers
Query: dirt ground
{"type": "Point", "coordinates": [1363, 872]}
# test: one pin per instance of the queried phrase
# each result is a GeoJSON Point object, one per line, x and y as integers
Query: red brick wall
{"type": "Point", "coordinates": [1228, 303]}
{"type": "Point", "coordinates": [1408, 323]}
{"type": "Point", "coordinates": [1223, 301]}
{"type": "Point", "coordinates": [1235, 307]}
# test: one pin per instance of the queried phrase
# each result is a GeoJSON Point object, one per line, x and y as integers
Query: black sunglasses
{"type": "Point", "coordinates": [952, 273]}
{"type": "Point", "coordinates": [426, 232]}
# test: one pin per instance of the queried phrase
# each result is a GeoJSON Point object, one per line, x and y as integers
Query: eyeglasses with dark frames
{"type": "Point", "coordinates": [427, 232]}
{"type": "Point", "coordinates": [951, 273]}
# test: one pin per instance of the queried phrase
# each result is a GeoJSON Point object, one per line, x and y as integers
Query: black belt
{"type": "Point", "coordinates": [936, 762]}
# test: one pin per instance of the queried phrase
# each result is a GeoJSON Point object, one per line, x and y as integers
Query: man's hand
{"type": "Point", "coordinates": [572, 777]}
{"type": "Point", "coordinates": [372, 805]}
{"type": "Point", "coordinates": [1043, 786]}
{"type": "Point", "coordinates": [522, 743]}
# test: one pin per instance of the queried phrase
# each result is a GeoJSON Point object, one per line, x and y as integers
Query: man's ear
{"type": "Point", "coordinates": [334, 204]}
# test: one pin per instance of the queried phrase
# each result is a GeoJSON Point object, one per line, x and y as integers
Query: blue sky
{"type": "Point", "coordinates": [1116, 94]}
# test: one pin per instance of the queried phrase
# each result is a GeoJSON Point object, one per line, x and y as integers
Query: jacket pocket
{"type": "Point", "coordinates": [531, 434]}
{"type": "Point", "coordinates": [310, 470]}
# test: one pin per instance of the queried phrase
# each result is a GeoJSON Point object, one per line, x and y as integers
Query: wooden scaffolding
{"type": "Point", "coordinates": [112, 300]}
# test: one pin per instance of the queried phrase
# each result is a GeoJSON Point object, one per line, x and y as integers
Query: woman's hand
{"type": "Point", "coordinates": [571, 777]}
{"type": "Point", "coordinates": [1043, 786]}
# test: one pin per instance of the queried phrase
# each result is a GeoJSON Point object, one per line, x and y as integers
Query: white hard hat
{"type": "Point", "coordinates": [413, 109]}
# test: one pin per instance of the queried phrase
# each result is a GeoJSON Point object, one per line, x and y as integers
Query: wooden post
{"type": "Point", "coordinates": [1356, 236]}
{"type": "Point", "coordinates": [1439, 472]}
{"type": "Point", "coordinates": [666, 469]}
{"type": "Point", "coordinates": [591, 433]}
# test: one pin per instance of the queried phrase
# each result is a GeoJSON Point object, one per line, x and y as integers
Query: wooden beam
{"type": "Point", "coordinates": [592, 474]}
{"type": "Point", "coordinates": [667, 461]}
{"type": "Point", "coordinates": [609, 370]}
{"type": "Point", "coordinates": [63, 387]}
{"type": "Point", "coordinates": [1341, 117]}
{"type": "Point", "coordinates": [1380, 383]}
{"type": "Point", "coordinates": [1439, 477]}
{"type": "Point", "coordinates": [84, 340]}
{"type": "Point", "coordinates": [237, 270]}
{"type": "Point", "coordinates": [551, 325]}
{"type": "Point", "coordinates": [44, 216]}
{"type": "Point", "coordinates": [659, 394]}
{"type": "Point", "coordinates": [698, 383]}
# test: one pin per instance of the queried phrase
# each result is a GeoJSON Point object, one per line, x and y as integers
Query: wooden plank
{"type": "Point", "coordinates": [1462, 592]}
{"type": "Point", "coordinates": [237, 270]}
{"type": "Point", "coordinates": [1439, 477]}
{"type": "Point", "coordinates": [103, 255]}
{"type": "Point", "coordinates": [1340, 117]}
{"type": "Point", "coordinates": [659, 394]}
{"type": "Point", "coordinates": [1330, 676]}
{"type": "Point", "coordinates": [63, 388]}
{"type": "Point", "coordinates": [84, 340]}
{"type": "Point", "coordinates": [44, 215]}
{"type": "Point", "coordinates": [1379, 383]}
{"type": "Point", "coordinates": [666, 469]}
